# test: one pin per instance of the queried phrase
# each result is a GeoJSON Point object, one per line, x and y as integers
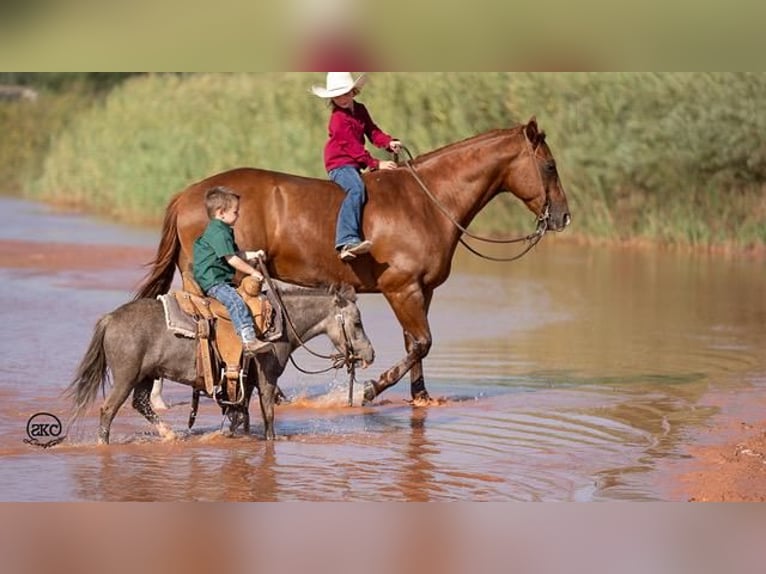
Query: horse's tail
{"type": "Point", "coordinates": [92, 372]}
{"type": "Point", "coordinates": [159, 279]}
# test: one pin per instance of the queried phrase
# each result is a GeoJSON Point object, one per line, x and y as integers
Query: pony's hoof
{"type": "Point", "coordinates": [166, 433]}
{"type": "Point", "coordinates": [369, 393]}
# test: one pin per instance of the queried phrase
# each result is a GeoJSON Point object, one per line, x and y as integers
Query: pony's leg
{"type": "Point", "coordinates": [267, 387]}
{"type": "Point", "coordinates": [112, 404]}
{"type": "Point", "coordinates": [410, 308]}
{"type": "Point", "coordinates": [246, 409]}
{"type": "Point", "coordinates": [158, 403]}
{"type": "Point", "coordinates": [236, 418]}
{"type": "Point", "coordinates": [142, 402]}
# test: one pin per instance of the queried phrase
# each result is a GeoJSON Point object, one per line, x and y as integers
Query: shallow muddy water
{"type": "Point", "coordinates": [575, 374]}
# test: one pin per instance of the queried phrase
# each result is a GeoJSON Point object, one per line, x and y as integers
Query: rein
{"type": "Point", "coordinates": [348, 358]}
{"type": "Point", "coordinates": [532, 239]}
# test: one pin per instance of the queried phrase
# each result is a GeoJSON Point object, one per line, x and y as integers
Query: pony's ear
{"type": "Point", "coordinates": [343, 294]}
{"type": "Point", "coordinates": [348, 292]}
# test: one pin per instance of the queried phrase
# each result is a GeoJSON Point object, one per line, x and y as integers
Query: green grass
{"type": "Point", "coordinates": [670, 157]}
{"type": "Point", "coordinates": [27, 131]}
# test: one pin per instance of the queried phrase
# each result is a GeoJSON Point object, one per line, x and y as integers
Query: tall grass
{"type": "Point", "coordinates": [27, 131]}
{"type": "Point", "coordinates": [672, 157]}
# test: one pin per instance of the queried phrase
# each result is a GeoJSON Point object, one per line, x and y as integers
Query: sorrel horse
{"type": "Point", "coordinates": [133, 343]}
{"type": "Point", "coordinates": [415, 218]}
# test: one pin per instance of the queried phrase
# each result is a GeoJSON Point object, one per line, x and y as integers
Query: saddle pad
{"type": "Point", "coordinates": [176, 320]}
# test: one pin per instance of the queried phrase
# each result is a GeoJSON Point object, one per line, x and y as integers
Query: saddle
{"type": "Point", "coordinates": [218, 345]}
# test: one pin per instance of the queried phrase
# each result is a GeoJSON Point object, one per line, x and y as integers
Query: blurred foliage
{"type": "Point", "coordinates": [675, 157]}
{"type": "Point", "coordinates": [61, 81]}
{"type": "Point", "coordinates": [28, 130]}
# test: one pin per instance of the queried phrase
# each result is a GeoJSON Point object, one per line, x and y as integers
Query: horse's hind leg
{"type": "Point", "coordinates": [142, 402]}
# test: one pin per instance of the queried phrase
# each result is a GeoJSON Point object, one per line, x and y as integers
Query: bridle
{"type": "Point", "coordinates": [347, 358]}
{"type": "Point", "coordinates": [531, 239]}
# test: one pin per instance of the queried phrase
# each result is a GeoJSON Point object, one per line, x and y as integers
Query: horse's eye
{"type": "Point", "coordinates": [550, 167]}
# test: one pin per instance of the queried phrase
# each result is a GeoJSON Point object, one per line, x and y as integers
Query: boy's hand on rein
{"type": "Point", "coordinates": [260, 254]}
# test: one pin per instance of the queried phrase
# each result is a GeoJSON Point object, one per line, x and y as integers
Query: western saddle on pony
{"type": "Point", "coordinates": [219, 348]}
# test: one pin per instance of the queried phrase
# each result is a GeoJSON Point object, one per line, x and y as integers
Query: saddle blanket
{"type": "Point", "coordinates": [177, 321]}
{"type": "Point", "coordinates": [181, 323]}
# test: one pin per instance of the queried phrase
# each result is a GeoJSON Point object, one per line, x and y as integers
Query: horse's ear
{"type": "Point", "coordinates": [530, 130]}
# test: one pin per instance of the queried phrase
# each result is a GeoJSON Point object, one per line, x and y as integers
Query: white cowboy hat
{"type": "Point", "coordinates": [337, 84]}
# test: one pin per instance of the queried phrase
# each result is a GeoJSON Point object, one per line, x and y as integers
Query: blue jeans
{"type": "Point", "coordinates": [238, 310]}
{"type": "Point", "coordinates": [349, 226]}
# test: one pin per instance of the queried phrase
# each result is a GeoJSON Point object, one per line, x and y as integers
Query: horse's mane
{"type": "Point", "coordinates": [467, 142]}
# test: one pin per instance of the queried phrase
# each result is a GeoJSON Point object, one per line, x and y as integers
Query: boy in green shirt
{"type": "Point", "coordinates": [217, 257]}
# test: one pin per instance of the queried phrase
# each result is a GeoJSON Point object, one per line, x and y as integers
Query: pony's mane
{"type": "Point", "coordinates": [294, 290]}
{"type": "Point", "coordinates": [467, 142]}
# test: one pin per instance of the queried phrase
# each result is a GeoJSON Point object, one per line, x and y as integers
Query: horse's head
{"type": "Point", "coordinates": [533, 178]}
{"type": "Point", "coordinates": [346, 331]}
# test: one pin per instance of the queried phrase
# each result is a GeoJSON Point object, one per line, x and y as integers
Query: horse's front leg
{"type": "Point", "coordinates": [417, 379]}
{"type": "Point", "coordinates": [410, 307]}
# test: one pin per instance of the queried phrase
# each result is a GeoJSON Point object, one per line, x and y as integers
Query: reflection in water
{"type": "Point", "coordinates": [575, 374]}
{"type": "Point", "coordinates": [418, 469]}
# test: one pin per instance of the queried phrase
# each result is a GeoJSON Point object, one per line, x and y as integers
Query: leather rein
{"type": "Point", "coordinates": [348, 358]}
{"type": "Point", "coordinates": [532, 239]}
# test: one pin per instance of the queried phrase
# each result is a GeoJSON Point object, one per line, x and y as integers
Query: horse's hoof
{"type": "Point", "coordinates": [422, 399]}
{"type": "Point", "coordinates": [369, 393]}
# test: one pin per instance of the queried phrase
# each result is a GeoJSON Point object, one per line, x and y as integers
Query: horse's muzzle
{"type": "Point", "coordinates": [559, 222]}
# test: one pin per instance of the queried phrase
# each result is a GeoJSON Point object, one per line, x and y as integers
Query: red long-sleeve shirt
{"type": "Point", "coordinates": [347, 130]}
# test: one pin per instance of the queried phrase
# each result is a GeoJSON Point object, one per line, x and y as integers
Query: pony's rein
{"type": "Point", "coordinates": [532, 238]}
{"type": "Point", "coordinates": [338, 359]}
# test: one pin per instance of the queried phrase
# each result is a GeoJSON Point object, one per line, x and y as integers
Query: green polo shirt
{"type": "Point", "coordinates": [211, 249]}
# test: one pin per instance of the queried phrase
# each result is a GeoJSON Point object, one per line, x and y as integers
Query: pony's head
{"type": "Point", "coordinates": [346, 330]}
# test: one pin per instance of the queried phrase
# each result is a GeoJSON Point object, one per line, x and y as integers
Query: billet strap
{"type": "Point", "coordinates": [205, 363]}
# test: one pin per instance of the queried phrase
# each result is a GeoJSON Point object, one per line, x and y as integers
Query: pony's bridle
{"type": "Point", "coordinates": [532, 239]}
{"type": "Point", "coordinates": [347, 358]}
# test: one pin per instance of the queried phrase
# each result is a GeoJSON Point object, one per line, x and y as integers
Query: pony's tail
{"type": "Point", "coordinates": [160, 277]}
{"type": "Point", "coordinates": [91, 374]}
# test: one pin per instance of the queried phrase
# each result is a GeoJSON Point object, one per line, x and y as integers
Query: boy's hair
{"type": "Point", "coordinates": [219, 197]}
